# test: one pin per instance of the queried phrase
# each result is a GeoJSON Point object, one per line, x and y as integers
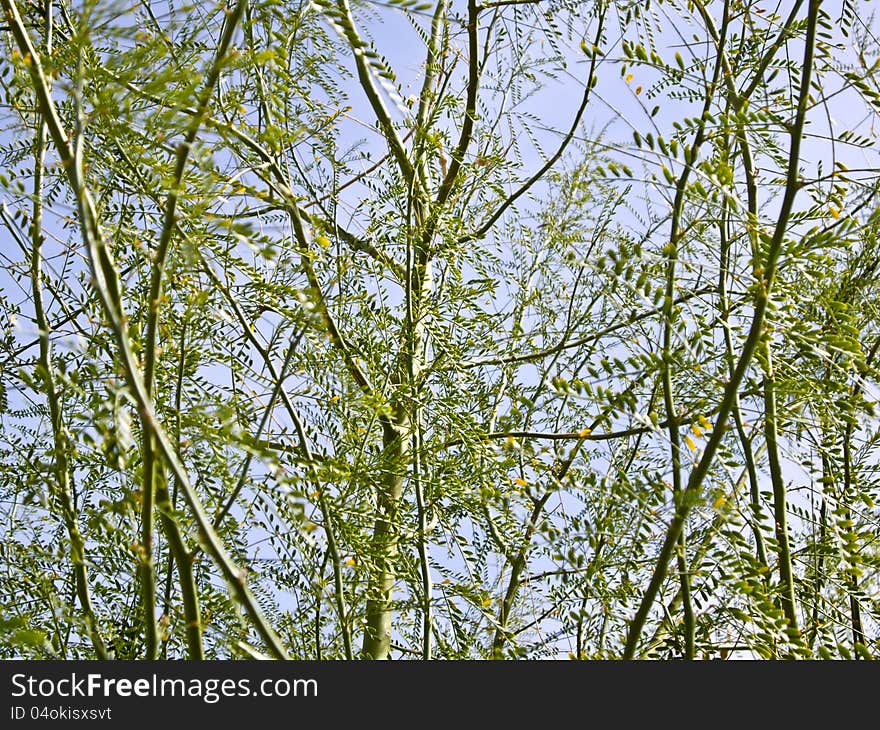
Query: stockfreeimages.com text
{"type": "Point", "coordinates": [209, 690]}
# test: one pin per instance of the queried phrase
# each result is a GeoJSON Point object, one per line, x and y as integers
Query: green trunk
{"type": "Point", "coordinates": [377, 635]}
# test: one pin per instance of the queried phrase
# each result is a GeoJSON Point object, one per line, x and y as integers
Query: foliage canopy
{"type": "Point", "coordinates": [520, 328]}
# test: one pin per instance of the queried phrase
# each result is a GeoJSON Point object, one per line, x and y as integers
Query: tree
{"type": "Point", "coordinates": [560, 340]}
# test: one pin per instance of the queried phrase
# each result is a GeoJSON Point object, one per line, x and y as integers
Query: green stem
{"type": "Point", "coordinates": [338, 586]}
{"type": "Point", "coordinates": [669, 316]}
{"type": "Point", "coordinates": [858, 631]}
{"type": "Point", "coordinates": [780, 503]}
{"type": "Point", "coordinates": [178, 402]}
{"type": "Point", "coordinates": [365, 77]}
{"type": "Point", "coordinates": [424, 561]}
{"type": "Point", "coordinates": [517, 566]}
{"type": "Point", "coordinates": [183, 559]}
{"type": "Point", "coordinates": [818, 583]}
{"type": "Point", "coordinates": [745, 442]}
{"type": "Point", "coordinates": [470, 113]}
{"type": "Point", "coordinates": [417, 270]}
{"type": "Point", "coordinates": [756, 330]}
{"type": "Point", "coordinates": [426, 97]}
{"type": "Point", "coordinates": [62, 484]}
{"type": "Point", "coordinates": [152, 467]}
